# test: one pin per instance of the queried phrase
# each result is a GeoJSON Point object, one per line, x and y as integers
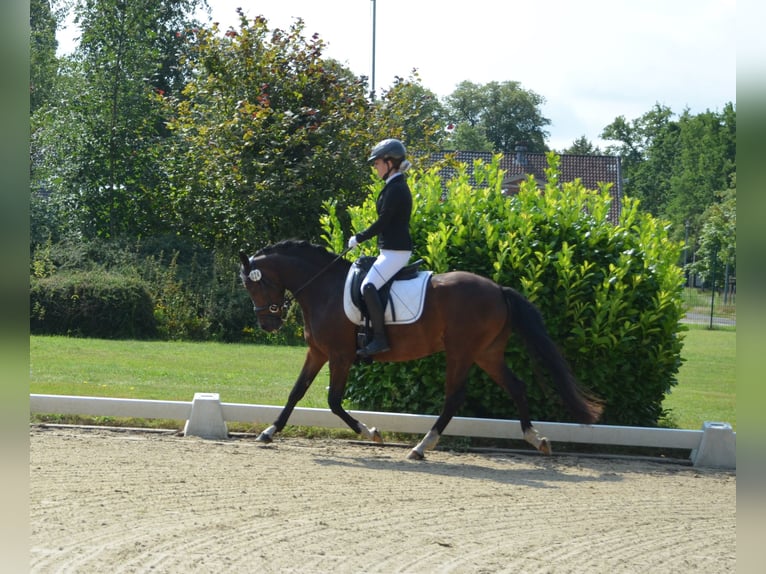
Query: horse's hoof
{"type": "Point", "coordinates": [376, 436]}
{"type": "Point", "coordinates": [264, 438]}
{"type": "Point", "coordinates": [415, 455]}
{"type": "Point", "coordinates": [545, 446]}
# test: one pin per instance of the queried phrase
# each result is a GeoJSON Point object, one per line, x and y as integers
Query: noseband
{"type": "Point", "coordinates": [274, 308]}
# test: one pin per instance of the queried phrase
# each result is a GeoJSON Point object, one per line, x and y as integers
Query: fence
{"type": "Point", "coordinates": [713, 308]}
{"type": "Point", "coordinates": [713, 446]}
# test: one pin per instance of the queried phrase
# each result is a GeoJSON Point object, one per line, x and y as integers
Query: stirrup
{"type": "Point", "coordinates": [375, 347]}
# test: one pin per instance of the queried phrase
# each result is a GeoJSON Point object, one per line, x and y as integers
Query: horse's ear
{"type": "Point", "coordinates": [245, 261]}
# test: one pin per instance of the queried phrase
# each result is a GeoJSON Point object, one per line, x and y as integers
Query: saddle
{"type": "Point", "coordinates": [402, 295]}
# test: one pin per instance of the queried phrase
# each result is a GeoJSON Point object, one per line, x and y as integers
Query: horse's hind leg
{"type": "Point", "coordinates": [454, 396]}
{"type": "Point", "coordinates": [496, 368]}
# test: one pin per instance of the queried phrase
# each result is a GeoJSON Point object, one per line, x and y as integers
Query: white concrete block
{"type": "Point", "coordinates": [206, 418]}
{"type": "Point", "coordinates": [718, 447]}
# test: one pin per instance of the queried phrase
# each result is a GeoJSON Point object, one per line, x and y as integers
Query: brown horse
{"type": "Point", "coordinates": [467, 316]}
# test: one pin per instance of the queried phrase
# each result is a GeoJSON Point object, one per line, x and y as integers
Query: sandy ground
{"type": "Point", "coordinates": [105, 501]}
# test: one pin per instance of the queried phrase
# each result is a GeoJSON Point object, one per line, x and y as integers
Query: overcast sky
{"type": "Point", "coordinates": [591, 60]}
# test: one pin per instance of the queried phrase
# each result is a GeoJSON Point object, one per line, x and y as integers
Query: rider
{"type": "Point", "coordinates": [394, 207]}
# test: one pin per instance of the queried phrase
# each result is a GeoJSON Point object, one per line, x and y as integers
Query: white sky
{"type": "Point", "coordinates": [591, 60]}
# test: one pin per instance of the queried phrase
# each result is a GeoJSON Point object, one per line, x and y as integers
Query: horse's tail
{"type": "Point", "coordinates": [526, 320]}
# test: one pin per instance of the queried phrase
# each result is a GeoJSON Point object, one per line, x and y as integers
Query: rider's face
{"type": "Point", "coordinates": [381, 166]}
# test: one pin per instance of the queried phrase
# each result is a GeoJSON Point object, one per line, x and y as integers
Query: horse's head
{"type": "Point", "coordinates": [265, 290]}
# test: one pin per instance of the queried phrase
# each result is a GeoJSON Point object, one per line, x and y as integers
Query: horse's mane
{"type": "Point", "coordinates": [299, 248]}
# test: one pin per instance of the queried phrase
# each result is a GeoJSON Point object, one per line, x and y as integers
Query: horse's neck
{"type": "Point", "coordinates": [313, 278]}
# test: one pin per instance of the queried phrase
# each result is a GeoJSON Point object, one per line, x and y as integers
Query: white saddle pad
{"type": "Point", "coordinates": [407, 297]}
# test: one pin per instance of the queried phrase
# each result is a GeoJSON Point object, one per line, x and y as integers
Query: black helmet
{"type": "Point", "coordinates": [388, 149]}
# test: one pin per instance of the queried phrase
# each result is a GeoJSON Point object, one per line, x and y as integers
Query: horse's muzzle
{"type": "Point", "coordinates": [270, 323]}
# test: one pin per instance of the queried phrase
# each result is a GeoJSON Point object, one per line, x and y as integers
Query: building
{"type": "Point", "coordinates": [591, 170]}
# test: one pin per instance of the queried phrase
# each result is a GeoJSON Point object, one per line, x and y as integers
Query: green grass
{"type": "Point", "coordinates": [254, 374]}
{"type": "Point", "coordinates": [706, 389]}
{"type": "Point", "coordinates": [174, 371]}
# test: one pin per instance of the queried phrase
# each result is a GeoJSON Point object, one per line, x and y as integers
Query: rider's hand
{"type": "Point", "coordinates": [352, 242]}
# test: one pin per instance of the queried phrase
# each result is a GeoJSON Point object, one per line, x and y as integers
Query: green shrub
{"type": "Point", "coordinates": [196, 293]}
{"type": "Point", "coordinates": [611, 295]}
{"type": "Point", "coordinates": [91, 304]}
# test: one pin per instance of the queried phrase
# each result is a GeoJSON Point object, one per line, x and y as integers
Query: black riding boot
{"type": "Point", "coordinates": [375, 311]}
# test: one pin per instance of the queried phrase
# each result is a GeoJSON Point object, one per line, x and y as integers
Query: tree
{"type": "Point", "coordinates": [704, 166]}
{"type": "Point", "coordinates": [95, 153]}
{"type": "Point", "coordinates": [265, 131]}
{"type": "Point", "coordinates": [468, 138]}
{"type": "Point", "coordinates": [506, 113]}
{"type": "Point", "coordinates": [581, 146]}
{"type": "Point", "coordinates": [43, 20]}
{"type": "Point", "coordinates": [43, 72]}
{"type": "Point", "coordinates": [718, 238]}
{"type": "Point", "coordinates": [675, 166]}
{"type": "Point", "coordinates": [409, 112]}
{"type": "Point", "coordinates": [648, 147]}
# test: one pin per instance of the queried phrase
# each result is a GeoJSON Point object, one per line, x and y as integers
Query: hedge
{"type": "Point", "coordinates": [611, 295]}
{"type": "Point", "coordinates": [91, 304]}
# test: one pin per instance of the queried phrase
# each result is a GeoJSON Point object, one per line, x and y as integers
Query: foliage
{"type": "Point", "coordinates": [675, 167]}
{"type": "Point", "coordinates": [43, 18]}
{"type": "Point", "coordinates": [264, 131]}
{"type": "Point", "coordinates": [718, 240]}
{"type": "Point", "coordinates": [581, 146]}
{"type": "Point", "coordinates": [411, 113]}
{"type": "Point", "coordinates": [611, 295]}
{"type": "Point", "coordinates": [95, 163]}
{"type": "Point", "coordinates": [503, 112]}
{"type": "Point", "coordinates": [94, 304]}
{"type": "Point", "coordinates": [195, 293]}
{"type": "Point", "coordinates": [467, 137]}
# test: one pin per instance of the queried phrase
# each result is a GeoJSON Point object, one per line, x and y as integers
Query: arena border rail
{"type": "Point", "coordinates": [714, 446]}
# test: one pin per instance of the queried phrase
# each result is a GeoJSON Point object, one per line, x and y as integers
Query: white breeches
{"type": "Point", "coordinates": [387, 264]}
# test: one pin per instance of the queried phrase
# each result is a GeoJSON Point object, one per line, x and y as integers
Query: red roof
{"type": "Point", "coordinates": [592, 170]}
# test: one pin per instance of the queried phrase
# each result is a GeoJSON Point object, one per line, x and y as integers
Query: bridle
{"type": "Point", "coordinates": [274, 308]}
{"type": "Point", "coordinates": [282, 308]}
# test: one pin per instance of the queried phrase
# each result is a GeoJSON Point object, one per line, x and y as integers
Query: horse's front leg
{"type": "Point", "coordinates": [339, 370]}
{"type": "Point", "coordinates": [311, 366]}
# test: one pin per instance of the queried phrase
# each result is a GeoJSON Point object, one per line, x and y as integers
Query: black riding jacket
{"type": "Point", "coordinates": [394, 207]}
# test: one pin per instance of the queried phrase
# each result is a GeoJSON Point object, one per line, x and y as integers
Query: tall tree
{"type": "Point", "coordinates": [582, 146]}
{"type": "Point", "coordinates": [43, 64]}
{"type": "Point", "coordinates": [122, 48]}
{"type": "Point", "coordinates": [265, 131]}
{"type": "Point", "coordinates": [109, 174]}
{"type": "Point", "coordinates": [677, 166]}
{"type": "Point", "coordinates": [506, 113]}
{"type": "Point", "coordinates": [409, 112]}
{"type": "Point", "coordinates": [718, 238]}
{"type": "Point", "coordinates": [705, 164]}
{"type": "Point", "coordinates": [648, 146]}
{"type": "Point", "coordinates": [43, 74]}
{"type": "Point", "coordinates": [466, 137]}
